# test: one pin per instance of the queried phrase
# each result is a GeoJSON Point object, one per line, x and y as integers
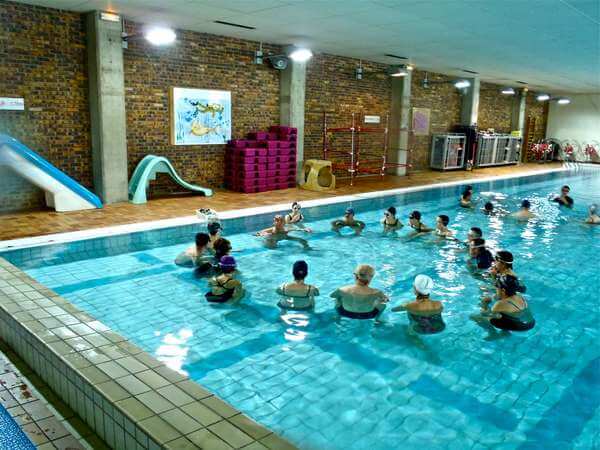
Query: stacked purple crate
{"type": "Point", "coordinates": [264, 161]}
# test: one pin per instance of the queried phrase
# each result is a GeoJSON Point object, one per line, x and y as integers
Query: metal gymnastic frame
{"type": "Point", "coordinates": [356, 165]}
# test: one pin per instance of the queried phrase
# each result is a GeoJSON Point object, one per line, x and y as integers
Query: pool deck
{"type": "Point", "coordinates": [43, 222]}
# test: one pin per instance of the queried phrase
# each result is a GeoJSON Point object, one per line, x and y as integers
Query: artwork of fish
{"type": "Point", "coordinates": [200, 116]}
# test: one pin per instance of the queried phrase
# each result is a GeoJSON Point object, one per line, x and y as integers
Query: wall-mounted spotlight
{"type": "Point", "coordinates": [358, 72]}
{"type": "Point", "coordinates": [507, 91]}
{"type": "Point", "coordinates": [543, 97]}
{"type": "Point", "coordinates": [300, 55]}
{"type": "Point", "coordinates": [160, 36]}
{"type": "Point", "coordinates": [462, 84]}
{"type": "Point", "coordinates": [278, 62]}
{"type": "Point", "coordinates": [258, 55]}
{"type": "Point", "coordinates": [563, 101]}
{"type": "Point", "coordinates": [400, 71]}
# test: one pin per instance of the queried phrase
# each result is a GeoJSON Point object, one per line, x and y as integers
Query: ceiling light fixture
{"type": "Point", "coordinates": [462, 84]}
{"type": "Point", "coordinates": [563, 101]}
{"type": "Point", "coordinates": [301, 55]}
{"type": "Point", "coordinates": [507, 91]}
{"type": "Point", "coordinates": [543, 97]}
{"type": "Point", "coordinates": [160, 36]}
{"type": "Point", "coordinates": [400, 71]}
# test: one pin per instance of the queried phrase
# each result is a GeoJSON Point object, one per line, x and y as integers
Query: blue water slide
{"type": "Point", "coordinates": [62, 192]}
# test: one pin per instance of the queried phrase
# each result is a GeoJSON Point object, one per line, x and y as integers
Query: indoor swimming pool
{"type": "Point", "coordinates": [326, 383]}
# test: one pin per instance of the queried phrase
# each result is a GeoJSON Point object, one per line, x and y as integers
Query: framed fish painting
{"type": "Point", "coordinates": [200, 116]}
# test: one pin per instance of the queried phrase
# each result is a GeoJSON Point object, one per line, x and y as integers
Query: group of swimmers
{"type": "Point", "coordinates": [509, 312]}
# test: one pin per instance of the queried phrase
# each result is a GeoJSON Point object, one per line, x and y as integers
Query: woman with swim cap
{"type": "Point", "coordinates": [488, 209]}
{"type": "Point", "coordinates": [503, 266]}
{"type": "Point", "coordinates": [359, 301]}
{"type": "Point", "coordinates": [593, 217]}
{"type": "Point", "coordinates": [196, 255]}
{"type": "Point", "coordinates": [414, 220]}
{"type": "Point", "coordinates": [466, 197]}
{"type": "Point", "coordinates": [510, 312]}
{"type": "Point", "coordinates": [279, 232]}
{"type": "Point", "coordinates": [479, 256]}
{"type": "Point", "coordinates": [298, 295]}
{"type": "Point", "coordinates": [524, 213]}
{"type": "Point", "coordinates": [390, 222]}
{"type": "Point", "coordinates": [348, 221]}
{"type": "Point", "coordinates": [424, 314]}
{"type": "Point", "coordinates": [224, 288]}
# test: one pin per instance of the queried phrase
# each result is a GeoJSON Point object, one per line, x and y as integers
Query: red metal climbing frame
{"type": "Point", "coordinates": [355, 164]}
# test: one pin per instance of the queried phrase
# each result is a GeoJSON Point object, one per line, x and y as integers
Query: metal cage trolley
{"type": "Point", "coordinates": [448, 151]}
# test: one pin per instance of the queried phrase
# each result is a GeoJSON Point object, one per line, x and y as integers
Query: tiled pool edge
{"type": "Point", "coordinates": [130, 399]}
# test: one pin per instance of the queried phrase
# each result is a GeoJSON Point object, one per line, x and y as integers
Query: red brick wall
{"type": "Point", "coordinates": [198, 61]}
{"type": "Point", "coordinates": [444, 101]}
{"type": "Point", "coordinates": [331, 87]}
{"type": "Point", "coordinates": [43, 59]}
{"type": "Point", "coordinates": [495, 109]}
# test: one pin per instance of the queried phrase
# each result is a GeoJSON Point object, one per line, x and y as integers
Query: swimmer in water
{"type": "Point", "coordinates": [221, 247]}
{"type": "Point", "coordinates": [563, 199]}
{"type": "Point", "coordinates": [524, 213]}
{"type": "Point", "coordinates": [197, 254]}
{"type": "Point", "coordinates": [474, 233]}
{"type": "Point", "coordinates": [424, 314]}
{"type": "Point", "coordinates": [390, 222]}
{"type": "Point", "coordinates": [224, 288]}
{"type": "Point", "coordinates": [414, 220]}
{"type": "Point", "coordinates": [441, 226]}
{"type": "Point", "coordinates": [295, 217]}
{"type": "Point", "coordinates": [503, 266]}
{"type": "Point", "coordinates": [480, 257]}
{"type": "Point", "coordinates": [298, 295]}
{"type": "Point", "coordinates": [593, 218]}
{"type": "Point", "coordinates": [279, 232]}
{"type": "Point", "coordinates": [214, 233]}
{"type": "Point", "coordinates": [466, 197]}
{"type": "Point", "coordinates": [348, 221]}
{"type": "Point", "coordinates": [510, 311]}
{"type": "Point", "coordinates": [488, 209]}
{"type": "Point", "coordinates": [359, 301]}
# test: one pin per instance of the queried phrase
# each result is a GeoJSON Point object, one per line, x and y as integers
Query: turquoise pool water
{"type": "Point", "coordinates": [11, 436]}
{"type": "Point", "coordinates": [341, 384]}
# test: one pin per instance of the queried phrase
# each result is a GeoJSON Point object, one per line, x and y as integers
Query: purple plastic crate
{"type": "Point", "coordinates": [238, 143]}
{"type": "Point", "coordinates": [258, 135]}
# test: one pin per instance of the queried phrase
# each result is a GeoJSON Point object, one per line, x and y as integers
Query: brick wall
{"type": "Point", "coordinates": [198, 61]}
{"type": "Point", "coordinates": [495, 109]}
{"type": "Point", "coordinates": [444, 101]}
{"type": "Point", "coordinates": [43, 59]}
{"type": "Point", "coordinates": [331, 87]}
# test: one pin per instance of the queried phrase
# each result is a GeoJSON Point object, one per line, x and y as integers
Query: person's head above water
{"type": "Point", "coordinates": [300, 270]}
{"type": "Point", "coordinates": [423, 285]}
{"type": "Point", "coordinates": [391, 211]}
{"type": "Point", "coordinates": [525, 204]}
{"type": "Point", "coordinates": [489, 206]}
{"type": "Point", "coordinates": [364, 274]}
{"type": "Point", "coordinates": [278, 220]}
{"type": "Point", "coordinates": [565, 189]}
{"type": "Point", "coordinates": [593, 209]}
{"type": "Point", "coordinates": [467, 194]}
{"type": "Point", "coordinates": [227, 264]}
{"type": "Point", "coordinates": [221, 246]}
{"type": "Point", "coordinates": [214, 228]}
{"type": "Point", "coordinates": [443, 219]}
{"type": "Point", "coordinates": [349, 212]}
{"type": "Point", "coordinates": [202, 240]}
{"type": "Point", "coordinates": [296, 206]}
{"type": "Point", "coordinates": [475, 232]}
{"type": "Point", "coordinates": [415, 215]}
{"type": "Point", "coordinates": [477, 245]}
{"type": "Point", "coordinates": [507, 285]}
{"type": "Point", "coordinates": [505, 258]}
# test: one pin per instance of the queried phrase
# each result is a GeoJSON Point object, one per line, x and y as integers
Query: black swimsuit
{"type": "Point", "coordinates": [511, 323]}
{"type": "Point", "coordinates": [356, 315]}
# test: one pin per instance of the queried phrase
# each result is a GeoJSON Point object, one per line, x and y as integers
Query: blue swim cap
{"type": "Point", "coordinates": [350, 211]}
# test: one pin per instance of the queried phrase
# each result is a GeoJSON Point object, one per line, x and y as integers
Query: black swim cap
{"type": "Point", "coordinates": [525, 204]}
{"type": "Point", "coordinates": [415, 215]}
{"type": "Point", "coordinates": [392, 210]}
{"type": "Point", "coordinates": [477, 231]}
{"type": "Point", "coordinates": [509, 283]}
{"type": "Point", "coordinates": [214, 227]}
{"type": "Point", "coordinates": [504, 256]}
{"type": "Point", "coordinates": [300, 270]}
{"type": "Point", "coordinates": [489, 206]}
{"type": "Point", "coordinates": [445, 219]}
{"type": "Point", "coordinates": [201, 239]}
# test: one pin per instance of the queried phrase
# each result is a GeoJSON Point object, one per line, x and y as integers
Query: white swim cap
{"type": "Point", "coordinates": [593, 208]}
{"type": "Point", "coordinates": [423, 284]}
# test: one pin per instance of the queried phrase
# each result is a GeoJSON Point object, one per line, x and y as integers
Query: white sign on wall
{"type": "Point", "coordinates": [372, 119]}
{"type": "Point", "coordinates": [12, 104]}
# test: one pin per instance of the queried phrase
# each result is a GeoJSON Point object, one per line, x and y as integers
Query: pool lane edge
{"type": "Point", "coordinates": [129, 398]}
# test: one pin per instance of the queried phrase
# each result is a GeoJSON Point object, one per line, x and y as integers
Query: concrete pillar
{"type": "Point", "coordinates": [470, 103]}
{"type": "Point", "coordinates": [107, 108]}
{"type": "Point", "coordinates": [399, 124]}
{"type": "Point", "coordinates": [292, 93]}
{"type": "Point", "coordinates": [517, 121]}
